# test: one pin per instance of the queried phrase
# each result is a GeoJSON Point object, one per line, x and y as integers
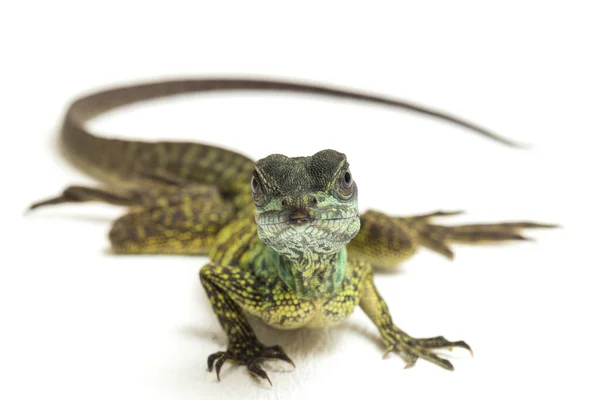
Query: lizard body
{"type": "Point", "coordinates": [284, 236]}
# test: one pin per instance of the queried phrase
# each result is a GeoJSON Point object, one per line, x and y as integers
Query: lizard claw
{"type": "Point", "coordinates": [251, 355]}
{"type": "Point", "coordinates": [257, 370]}
{"type": "Point", "coordinates": [277, 353]}
{"type": "Point", "coordinates": [387, 352]}
{"type": "Point", "coordinates": [414, 349]}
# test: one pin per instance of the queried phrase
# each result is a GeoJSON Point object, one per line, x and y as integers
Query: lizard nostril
{"type": "Point", "coordinates": [284, 203]}
{"type": "Point", "coordinates": [313, 201]}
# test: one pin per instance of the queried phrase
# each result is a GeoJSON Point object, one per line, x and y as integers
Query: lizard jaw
{"type": "Point", "coordinates": [322, 235]}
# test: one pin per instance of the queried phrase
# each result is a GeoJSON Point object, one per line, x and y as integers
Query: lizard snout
{"type": "Point", "coordinates": [299, 216]}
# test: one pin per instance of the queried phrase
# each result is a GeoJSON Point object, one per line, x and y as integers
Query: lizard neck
{"type": "Point", "coordinates": [310, 274]}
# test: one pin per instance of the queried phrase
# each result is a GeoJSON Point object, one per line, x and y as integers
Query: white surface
{"type": "Point", "coordinates": [78, 322]}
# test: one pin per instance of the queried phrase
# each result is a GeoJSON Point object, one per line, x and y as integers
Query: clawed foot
{"type": "Point", "coordinates": [250, 355]}
{"type": "Point", "coordinates": [439, 237]}
{"type": "Point", "coordinates": [413, 349]}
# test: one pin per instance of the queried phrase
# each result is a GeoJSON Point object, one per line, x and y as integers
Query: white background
{"type": "Point", "coordinates": [78, 322]}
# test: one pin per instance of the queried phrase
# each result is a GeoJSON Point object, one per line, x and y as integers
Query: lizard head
{"type": "Point", "coordinates": [305, 204]}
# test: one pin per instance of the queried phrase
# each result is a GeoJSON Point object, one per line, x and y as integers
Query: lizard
{"type": "Point", "coordinates": [285, 239]}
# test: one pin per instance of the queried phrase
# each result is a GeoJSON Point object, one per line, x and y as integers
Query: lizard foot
{"type": "Point", "coordinates": [249, 354]}
{"type": "Point", "coordinates": [413, 349]}
{"type": "Point", "coordinates": [439, 237]}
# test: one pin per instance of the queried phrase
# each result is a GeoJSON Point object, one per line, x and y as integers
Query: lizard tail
{"type": "Point", "coordinates": [118, 160]}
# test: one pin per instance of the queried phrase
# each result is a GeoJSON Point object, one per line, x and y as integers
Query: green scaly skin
{"type": "Point", "coordinates": [284, 235]}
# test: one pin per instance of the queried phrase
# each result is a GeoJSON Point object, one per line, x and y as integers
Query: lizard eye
{"type": "Point", "coordinates": [346, 185]}
{"type": "Point", "coordinates": [346, 181]}
{"type": "Point", "coordinates": [257, 192]}
{"type": "Point", "coordinates": [255, 185]}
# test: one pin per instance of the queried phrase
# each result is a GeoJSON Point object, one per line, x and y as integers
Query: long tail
{"type": "Point", "coordinates": [104, 158]}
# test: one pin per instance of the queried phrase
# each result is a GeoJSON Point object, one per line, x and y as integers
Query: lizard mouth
{"type": "Point", "coordinates": [305, 221]}
{"type": "Point", "coordinates": [325, 231]}
{"type": "Point", "coordinates": [321, 234]}
{"type": "Point", "coordinates": [299, 217]}
{"type": "Point", "coordinates": [300, 221]}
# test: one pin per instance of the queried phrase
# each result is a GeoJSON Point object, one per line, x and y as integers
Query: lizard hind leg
{"type": "Point", "coordinates": [439, 237]}
{"type": "Point", "coordinates": [162, 219]}
{"type": "Point", "coordinates": [172, 220]}
{"type": "Point", "coordinates": [385, 241]}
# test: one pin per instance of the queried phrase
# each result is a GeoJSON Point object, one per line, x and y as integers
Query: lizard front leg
{"type": "Point", "coordinates": [385, 241]}
{"type": "Point", "coordinates": [162, 219]}
{"type": "Point", "coordinates": [397, 340]}
{"type": "Point", "coordinates": [229, 289]}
